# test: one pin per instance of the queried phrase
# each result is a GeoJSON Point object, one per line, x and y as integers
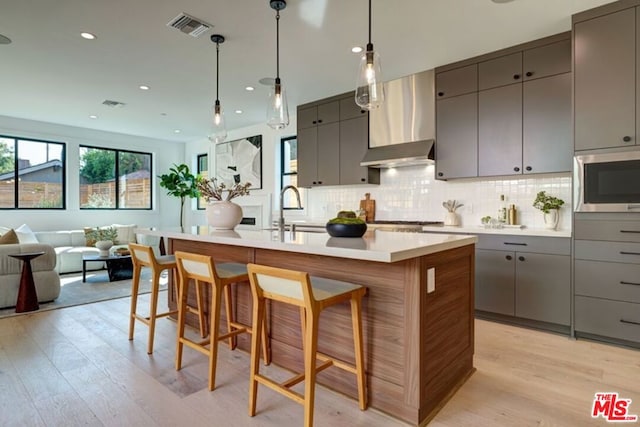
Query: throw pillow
{"type": "Point", "coordinates": [4, 230]}
{"type": "Point", "coordinates": [126, 233]}
{"type": "Point", "coordinates": [25, 235]}
{"type": "Point", "coordinates": [9, 238]}
{"type": "Point", "coordinates": [90, 241]}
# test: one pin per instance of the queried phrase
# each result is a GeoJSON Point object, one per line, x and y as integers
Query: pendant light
{"type": "Point", "coordinates": [369, 88]}
{"type": "Point", "coordinates": [277, 109]}
{"type": "Point", "coordinates": [219, 131]}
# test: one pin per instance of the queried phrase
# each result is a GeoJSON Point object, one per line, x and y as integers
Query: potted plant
{"type": "Point", "coordinates": [222, 214]}
{"type": "Point", "coordinates": [180, 182]}
{"type": "Point", "coordinates": [103, 238]}
{"type": "Point", "coordinates": [549, 205]}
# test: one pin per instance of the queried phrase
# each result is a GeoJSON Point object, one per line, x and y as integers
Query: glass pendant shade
{"type": "Point", "coordinates": [218, 130]}
{"type": "Point", "coordinates": [369, 86]}
{"type": "Point", "coordinates": [277, 108]}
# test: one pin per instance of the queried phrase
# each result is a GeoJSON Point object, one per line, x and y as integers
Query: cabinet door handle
{"type": "Point", "coordinates": [630, 231]}
{"type": "Point", "coordinates": [622, 282]}
{"type": "Point", "coordinates": [630, 322]}
{"type": "Point", "coordinates": [320, 121]}
{"type": "Point", "coordinates": [626, 138]}
{"type": "Point", "coordinates": [516, 76]}
{"type": "Point", "coordinates": [363, 111]}
{"type": "Point", "coordinates": [529, 73]}
{"type": "Point", "coordinates": [629, 253]}
{"type": "Point", "coordinates": [314, 182]}
{"type": "Point", "coordinates": [509, 257]}
{"type": "Point", "coordinates": [517, 169]}
{"type": "Point", "coordinates": [528, 168]}
{"type": "Point", "coordinates": [314, 122]}
{"type": "Point", "coordinates": [363, 179]}
{"type": "Point", "coordinates": [440, 93]}
{"type": "Point", "coordinates": [520, 258]}
{"type": "Point", "coordinates": [440, 174]}
{"type": "Point", "coordinates": [319, 182]}
{"type": "Point", "coordinates": [515, 244]}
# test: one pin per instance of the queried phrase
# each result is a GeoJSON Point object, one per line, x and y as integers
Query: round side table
{"type": "Point", "coordinates": [27, 296]}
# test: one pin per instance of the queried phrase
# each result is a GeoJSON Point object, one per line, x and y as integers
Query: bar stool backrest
{"type": "Point", "coordinates": [195, 266]}
{"type": "Point", "coordinates": [289, 286]}
{"type": "Point", "coordinates": [142, 254]}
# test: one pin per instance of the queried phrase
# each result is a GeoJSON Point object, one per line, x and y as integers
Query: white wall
{"type": "Point", "coordinates": [165, 211]}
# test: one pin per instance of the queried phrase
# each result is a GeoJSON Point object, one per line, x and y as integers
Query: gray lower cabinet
{"type": "Point", "coordinates": [524, 277]}
{"type": "Point", "coordinates": [607, 277]}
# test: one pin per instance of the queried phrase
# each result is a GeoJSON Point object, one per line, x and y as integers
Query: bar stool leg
{"type": "Point", "coordinates": [200, 302]}
{"type": "Point", "coordinates": [230, 317]}
{"type": "Point", "coordinates": [356, 320]}
{"type": "Point", "coordinates": [258, 323]}
{"type": "Point", "coordinates": [182, 314]}
{"type": "Point", "coordinates": [153, 309]}
{"type": "Point", "coordinates": [310, 349]}
{"type": "Point", "coordinates": [216, 299]}
{"type": "Point", "coordinates": [135, 286]}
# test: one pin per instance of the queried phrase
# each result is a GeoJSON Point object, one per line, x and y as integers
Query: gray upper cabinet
{"type": "Point", "coordinates": [333, 136]}
{"type": "Point", "coordinates": [500, 131]}
{"type": "Point", "coordinates": [456, 82]}
{"type": "Point", "coordinates": [605, 80]}
{"type": "Point", "coordinates": [523, 112]}
{"type": "Point", "coordinates": [457, 137]}
{"type": "Point", "coordinates": [501, 71]}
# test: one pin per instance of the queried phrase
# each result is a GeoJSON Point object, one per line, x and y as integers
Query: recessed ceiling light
{"type": "Point", "coordinates": [163, 114]}
{"type": "Point", "coordinates": [93, 116]}
{"type": "Point", "coordinates": [88, 36]}
{"type": "Point", "coordinates": [501, 1]}
{"type": "Point", "coordinates": [4, 39]}
{"type": "Point", "coordinates": [249, 88]}
{"type": "Point", "coordinates": [238, 111]}
{"type": "Point", "coordinates": [177, 131]}
{"type": "Point", "coordinates": [144, 87]}
{"type": "Point", "coordinates": [356, 49]}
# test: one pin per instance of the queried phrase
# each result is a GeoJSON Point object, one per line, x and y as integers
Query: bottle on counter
{"type": "Point", "coordinates": [512, 218]}
{"type": "Point", "coordinates": [502, 210]}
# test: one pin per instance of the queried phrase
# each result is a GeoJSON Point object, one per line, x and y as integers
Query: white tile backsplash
{"type": "Point", "coordinates": [412, 193]}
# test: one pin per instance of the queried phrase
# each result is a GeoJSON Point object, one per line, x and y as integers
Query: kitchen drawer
{"type": "Point", "coordinates": [615, 231]}
{"type": "Point", "coordinates": [547, 245]}
{"type": "Point", "coordinates": [607, 251]}
{"type": "Point", "coordinates": [607, 318]}
{"type": "Point", "coordinates": [609, 280]}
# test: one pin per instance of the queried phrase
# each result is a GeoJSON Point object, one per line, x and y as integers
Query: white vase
{"type": "Point", "coordinates": [223, 215]}
{"type": "Point", "coordinates": [551, 219]}
{"type": "Point", "coordinates": [104, 246]}
{"type": "Point", "coordinates": [451, 218]}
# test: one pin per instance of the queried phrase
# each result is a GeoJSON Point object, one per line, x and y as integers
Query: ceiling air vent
{"type": "Point", "coordinates": [189, 25]}
{"type": "Point", "coordinates": [113, 104]}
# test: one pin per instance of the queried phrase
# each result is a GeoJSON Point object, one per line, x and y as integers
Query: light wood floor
{"type": "Point", "coordinates": [75, 366]}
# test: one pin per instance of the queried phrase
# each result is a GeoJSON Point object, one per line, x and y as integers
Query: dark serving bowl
{"type": "Point", "coordinates": [346, 230]}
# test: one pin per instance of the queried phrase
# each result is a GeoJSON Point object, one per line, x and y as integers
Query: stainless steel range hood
{"type": "Point", "coordinates": [402, 130]}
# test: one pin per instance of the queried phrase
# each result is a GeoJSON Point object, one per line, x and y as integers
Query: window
{"type": "Point", "coordinates": [99, 188]}
{"type": "Point", "coordinates": [289, 168]}
{"type": "Point", "coordinates": [31, 174]}
{"type": "Point", "coordinates": [203, 170]}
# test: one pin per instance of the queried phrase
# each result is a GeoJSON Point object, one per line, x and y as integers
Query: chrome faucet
{"type": "Point", "coordinates": [284, 189]}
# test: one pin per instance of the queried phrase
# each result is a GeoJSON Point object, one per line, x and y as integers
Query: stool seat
{"type": "Point", "coordinates": [219, 276]}
{"type": "Point", "coordinates": [311, 295]}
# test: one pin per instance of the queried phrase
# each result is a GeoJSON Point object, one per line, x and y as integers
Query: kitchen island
{"type": "Point", "coordinates": [417, 314]}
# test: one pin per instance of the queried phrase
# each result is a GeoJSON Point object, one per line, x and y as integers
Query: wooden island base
{"type": "Point", "coordinates": [418, 345]}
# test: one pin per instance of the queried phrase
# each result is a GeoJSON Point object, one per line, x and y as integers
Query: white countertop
{"type": "Point", "coordinates": [375, 245]}
{"type": "Point", "coordinates": [509, 230]}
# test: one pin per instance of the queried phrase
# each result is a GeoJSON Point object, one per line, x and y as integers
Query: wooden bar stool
{"type": "Point", "coordinates": [143, 256]}
{"type": "Point", "coordinates": [312, 295]}
{"type": "Point", "coordinates": [202, 269]}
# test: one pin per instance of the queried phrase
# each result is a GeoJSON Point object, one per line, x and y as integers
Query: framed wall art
{"type": "Point", "coordinates": [240, 161]}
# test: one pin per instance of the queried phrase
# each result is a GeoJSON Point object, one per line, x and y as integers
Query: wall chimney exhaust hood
{"type": "Point", "coordinates": [402, 130]}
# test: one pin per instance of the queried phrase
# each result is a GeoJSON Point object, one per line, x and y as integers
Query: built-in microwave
{"type": "Point", "coordinates": [607, 182]}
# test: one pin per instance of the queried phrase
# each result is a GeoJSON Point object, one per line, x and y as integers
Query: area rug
{"type": "Point", "coordinates": [97, 288]}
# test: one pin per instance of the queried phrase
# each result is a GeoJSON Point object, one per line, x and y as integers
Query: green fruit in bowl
{"type": "Point", "coordinates": [347, 214]}
{"type": "Point", "coordinates": [348, 220]}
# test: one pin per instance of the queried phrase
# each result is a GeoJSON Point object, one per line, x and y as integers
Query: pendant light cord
{"type": "Point", "coordinates": [369, 21]}
{"type": "Point", "coordinates": [278, 44]}
{"type": "Point", "coordinates": [217, 70]}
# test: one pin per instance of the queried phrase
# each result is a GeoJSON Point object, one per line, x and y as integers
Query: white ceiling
{"type": "Point", "coordinates": [49, 73]}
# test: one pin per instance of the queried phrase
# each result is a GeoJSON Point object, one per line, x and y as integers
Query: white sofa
{"type": "Point", "coordinates": [71, 245]}
{"type": "Point", "coordinates": [45, 277]}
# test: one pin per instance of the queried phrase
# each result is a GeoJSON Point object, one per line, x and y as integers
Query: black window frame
{"type": "Point", "coordinates": [117, 181]}
{"type": "Point", "coordinates": [16, 171]}
{"type": "Point", "coordinates": [283, 140]}
{"type": "Point", "coordinates": [199, 206]}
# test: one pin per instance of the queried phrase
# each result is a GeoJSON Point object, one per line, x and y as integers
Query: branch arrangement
{"type": "Point", "coordinates": [211, 190]}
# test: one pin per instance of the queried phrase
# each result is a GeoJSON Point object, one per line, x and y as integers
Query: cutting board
{"type": "Point", "coordinates": [368, 205]}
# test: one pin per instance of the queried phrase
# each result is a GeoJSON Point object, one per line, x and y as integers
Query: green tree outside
{"type": "Point", "coordinates": [98, 166]}
{"type": "Point", "coordinates": [6, 158]}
